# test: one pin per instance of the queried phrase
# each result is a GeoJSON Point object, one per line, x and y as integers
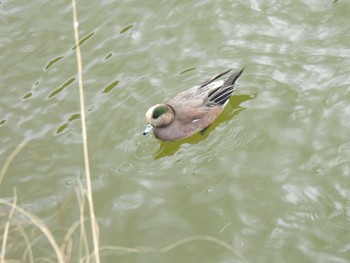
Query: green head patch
{"type": "Point", "coordinates": [159, 111]}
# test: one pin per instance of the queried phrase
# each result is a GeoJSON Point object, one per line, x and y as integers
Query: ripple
{"type": "Point", "coordinates": [4, 41]}
{"type": "Point", "coordinates": [128, 201]}
{"type": "Point", "coordinates": [293, 195]}
{"type": "Point", "coordinates": [65, 125]}
{"type": "Point", "coordinates": [186, 70]}
{"type": "Point", "coordinates": [84, 39]}
{"type": "Point", "coordinates": [52, 62]}
{"type": "Point", "coordinates": [110, 86]}
{"type": "Point", "coordinates": [58, 90]}
{"type": "Point", "coordinates": [28, 48]}
{"type": "Point", "coordinates": [28, 95]}
{"type": "Point", "coordinates": [125, 167]}
{"type": "Point", "coordinates": [108, 56]}
{"type": "Point", "coordinates": [125, 29]}
{"type": "Point", "coordinates": [344, 147]}
{"type": "Point", "coordinates": [312, 193]}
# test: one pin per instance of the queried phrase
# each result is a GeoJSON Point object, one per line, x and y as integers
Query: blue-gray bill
{"type": "Point", "coordinates": [148, 129]}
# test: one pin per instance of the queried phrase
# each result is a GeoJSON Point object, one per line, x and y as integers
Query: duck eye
{"type": "Point", "coordinates": [159, 111]}
{"type": "Point", "coordinates": [155, 115]}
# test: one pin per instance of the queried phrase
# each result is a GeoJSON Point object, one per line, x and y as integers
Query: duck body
{"type": "Point", "coordinates": [191, 111]}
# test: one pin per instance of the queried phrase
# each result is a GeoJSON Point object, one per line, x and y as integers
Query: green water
{"type": "Point", "coordinates": [270, 177]}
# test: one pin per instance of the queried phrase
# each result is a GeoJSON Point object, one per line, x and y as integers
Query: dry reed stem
{"type": "Point", "coordinates": [94, 226]}
{"type": "Point", "coordinates": [205, 238]}
{"type": "Point", "coordinates": [28, 244]}
{"type": "Point", "coordinates": [9, 159]}
{"type": "Point", "coordinates": [7, 227]}
{"type": "Point", "coordinates": [83, 242]}
{"type": "Point", "coordinates": [68, 237]}
{"type": "Point", "coordinates": [177, 244]}
{"type": "Point", "coordinates": [37, 222]}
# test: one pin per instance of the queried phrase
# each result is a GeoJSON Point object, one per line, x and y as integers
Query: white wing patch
{"type": "Point", "coordinates": [216, 84]}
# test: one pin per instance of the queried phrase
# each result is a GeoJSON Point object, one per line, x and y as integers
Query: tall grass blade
{"type": "Point", "coordinates": [94, 226]}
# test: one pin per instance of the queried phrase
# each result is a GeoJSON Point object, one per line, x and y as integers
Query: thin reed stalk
{"type": "Point", "coordinates": [83, 242]}
{"type": "Point", "coordinates": [9, 160]}
{"type": "Point", "coordinates": [94, 226]}
{"type": "Point", "coordinates": [7, 227]}
{"type": "Point", "coordinates": [184, 241]}
{"type": "Point", "coordinates": [28, 246]}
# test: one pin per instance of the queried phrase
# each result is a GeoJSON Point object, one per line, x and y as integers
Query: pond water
{"type": "Point", "coordinates": [267, 182]}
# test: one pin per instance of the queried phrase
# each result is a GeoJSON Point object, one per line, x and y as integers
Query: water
{"type": "Point", "coordinates": [270, 177]}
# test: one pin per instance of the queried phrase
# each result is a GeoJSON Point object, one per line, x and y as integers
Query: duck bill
{"type": "Point", "coordinates": [148, 129]}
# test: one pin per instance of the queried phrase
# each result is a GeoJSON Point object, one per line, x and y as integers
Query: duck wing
{"type": "Point", "coordinates": [193, 104]}
{"type": "Point", "coordinates": [196, 95]}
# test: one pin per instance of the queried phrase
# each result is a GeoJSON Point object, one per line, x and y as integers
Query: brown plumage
{"type": "Point", "coordinates": [191, 111]}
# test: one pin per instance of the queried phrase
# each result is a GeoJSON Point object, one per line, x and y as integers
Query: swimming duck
{"type": "Point", "coordinates": [191, 111]}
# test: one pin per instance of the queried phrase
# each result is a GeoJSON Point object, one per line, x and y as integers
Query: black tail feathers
{"type": "Point", "coordinates": [232, 79]}
{"type": "Point", "coordinates": [223, 93]}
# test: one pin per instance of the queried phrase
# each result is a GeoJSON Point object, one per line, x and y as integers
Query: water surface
{"type": "Point", "coordinates": [270, 177]}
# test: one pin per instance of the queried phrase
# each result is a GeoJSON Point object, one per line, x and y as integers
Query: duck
{"type": "Point", "coordinates": [191, 111]}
